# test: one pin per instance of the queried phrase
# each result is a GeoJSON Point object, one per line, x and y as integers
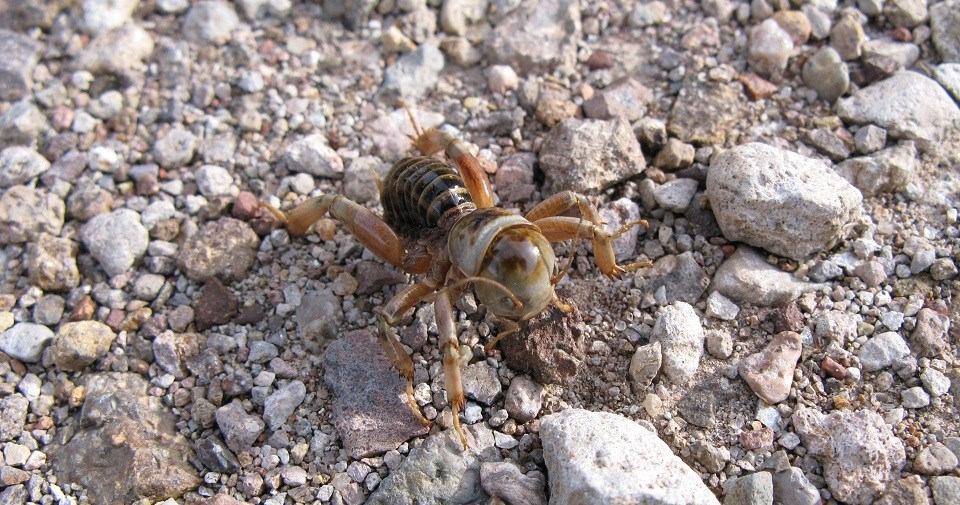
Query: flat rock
{"type": "Point", "coordinates": [413, 75]}
{"type": "Point", "coordinates": [769, 373]}
{"type": "Point", "coordinates": [117, 240]}
{"type": "Point", "coordinates": [80, 344]}
{"type": "Point", "coordinates": [13, 413]}
{"type": "Point", "coordinates": [680, 276]}
{"type": "Point", "coordinates": [18, 165]}
{"type": "Point", "coordinates": [26, 212]}
{"type": "Point", "coordinates": [882, 351]}
{"type": "Point", "coordinates": [16, 70]}
{"type": "Point", "coordinates": [240, 429]}
{"type": "Point", "coordinates": [753, 489]}
{"type": "Point", "coordinates": [885, 171]}
{"type": "Point", "coordinates": [282, 403]}
{"type": "Point", "coordinates": [504, 480]}
{"type": "Point", "coordinates": [908, 105]}
{"type": "Point", "coordinates": [127, 446]}
{"type": "Point", "coordinates": [52, 263]}
{"type": "Point", "coordinates": [117, 51]}
{"type": "Point", "coordinates": [216, 305]}
{"type": "Point", "coordinates": [587, 156]}
{"type": "Point", "coordinates": [536, 37]}
{"type": "Point", "coordinates": [598, 457]}
{"type": "Point", "coordinates": [524, 398]}
{"type": "Point", "coordinates": [946, 490]}
{"type": "Point", "coordinates": [746, 277]}
{"type": "Point", "coordinates": [626, 98]}
{"type": "Point", "coordinates": [225, 248]}
{"type": "Point", "coordinates": [930, 337]}
{"type": "Point", "coordinates": [680, 335]}
{"type": "Point", "coordinates": [440, 470]}
{"type": "Point", "coordinates": [784, 202]}
{"type": "Point", "coordinates": [859, 452]}
{"type": "Point", "coordinates": [371, 413]}
{"type": "Point", "coordinates": [550, 347]}
{"type": "Point", "coordinates": [210, 22]}
{"type": "Point", "coordinates": [935, 460]}
{"type": "Point", "coordinates": [25, 341]}
{"type": "Point", "coordinates": [705, 111]}
{"type": "Point", "coordinates": [312, 155]}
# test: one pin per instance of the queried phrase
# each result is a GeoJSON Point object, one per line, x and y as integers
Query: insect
{"type": "Point", "coordinates": [440, 222]}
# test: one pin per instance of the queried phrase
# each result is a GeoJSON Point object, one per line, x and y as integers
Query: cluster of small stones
{"type": "Point", "coordinates": [795, 341]}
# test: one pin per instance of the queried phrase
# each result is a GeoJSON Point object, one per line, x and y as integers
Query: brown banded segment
{"type": "Point", "coordinates": [419, 191]}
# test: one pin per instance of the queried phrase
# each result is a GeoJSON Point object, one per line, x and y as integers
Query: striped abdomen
{"type": "Point", "coordinates": [419, 191]}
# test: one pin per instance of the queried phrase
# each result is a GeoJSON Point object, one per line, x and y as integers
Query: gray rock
{"type": "Point", "coordinates": [175, 149]}
{"type": "Point", "coordinates": [680, 276]}
{"type": "Point", "coordinates": [480, 382]}
{"type": "Point", "coordinates": [769, 373]}
{"type": "Point", "coordinates": [859, 453]}
{"type": "Point", "coordinates": [413, 75]}
{"type": "Point", "coordinates": [20, 55]}
{"type": "Point", "coordinates": [319, 316]}
{"type": "Point", "coordinates": [240, 429]}
{"type": "Point", "coordinates": [674, 155]}
{"type": "Point", "coordinates": [820, 21]}
{"type": "Point", "coordinates": [935, 460]}
{"type": "Point", "coordinates": [89, 200]}
{"type": "Point", "coordinates": [313, 156]}
{"type": "Point", "coordinates": [13, 413]}
{"type": "Point", "coordinates": [946, 490]}
{"type": "Point", "coordinates": [753, 489]}
{"type": "Point", "coordinates": [719, 343]}
{"type": "Point", "coordinates": [598, 457]}
{"type": "Point", "coordinates": [869, 139]}
{"type": "Point", "coordinates": [721, 307]}
{"type": "Point", "coordinates": [457, 15]}
{"type": "Point", "coordinates": [948, 75]}
{"type": "Point", "coordinates": [25, 213]}
{"type": "Point", "coordinates": [908, 105]}
{"type": "Point", "coordinates": [172, 350]}
{"type": "Point", "coordinates": [645, 364]}
{"type": "Point", "coordinates": [369, 407]}
{"type": "Point", "coordinates": [282, 403]}
{"type": "Point", "coordinates": [210, 22]}
{"type": "Point", "coordinates": [440, 471]}
{"type": "Point", "coordinates": [847, 38]}
{"type": "Point", "coordinates": [930, 336]}
{"type": "Point", "coordinates": [914, 398]}
{"type": "Point", "coordinates": [80, 344]}
{"type": "Point", "coordinates": [514, 177]}
{"type": "Point", "coordinates": [905, 13]}
{"type": "Point", "coordinates": [22, 124]}
{"type": "Point", "coordinates": [49, 310]}
{"type": "Point", "coordinates": [126, 446]}
{"type": "Point", "coordinates": [353, 12]}
{"type": "Point", "coordinates": [872, 273]}
{"type": "Point", "coordinates": [746, 277]}
{"type": "Point", "coordinates": [503, 480]}
{"type": "Point", "coordinates": [882, 351]}
{"type": "Point", "coordinates": [146, 287]}
{"type": "Point", "coordinates": [117, 51]}
{"type": "Point", "coordinates": [791, 487]}
{"type": "Point", "coordinates": [259, 9]}
{"type": "Point", "coordinates": [935, 382]}
{"type": "Point", "coordinates": [903, 54]}
{"type": "Point", "coordinates": [676, 195]}
{"type": "Point", "coordinates": [213, 180]}
{"type": "Point", "coordinates": [390, 133]}
{"type": "Point", "coordinates": [615, 215]}
{"type": "Point", "coordinates": [680, 335]}
{"type": "Point", "coordinates": [536, 37]}
{"type": "Point", "coordinates": [626, 98]}
{"type": "Point", "coordinates": [358, 185]}
{"type": "Point", "coordinates": [117, 240]}
{"type": "Point", "coordinates": [770, 48]}
{"type": "Point", "coordinates": [786, 203]}
{"type": "Point", "coordinates": [99, 16]}
{"type": "Point", "coordinates": [826, 73]}
{"type": "Point", "coordinates": [587, 156]}
{"type": "Point", "coordinates": [524, 398]}
{"type": "Point", "coordinates": [215, 455]}
{"type": "Point", "coordinates": [944, 18]}
{"type": "Point", "coordinates": [225, 249]}
{"type": "Point", "coordinates": [262, 351]}
{"type": "Point", "coordinates": [25, 341]}
{"type": "Point", "coordinates": [886, 171]}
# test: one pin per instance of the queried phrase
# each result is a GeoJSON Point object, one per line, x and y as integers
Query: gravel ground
{"type": "Point", "coordinates": [796, 340]}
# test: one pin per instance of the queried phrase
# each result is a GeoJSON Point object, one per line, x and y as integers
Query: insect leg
{"type": "Point", "coordinates": [560, 228]}
{"type": "Point", "coordinates": [389, 316]}
{"type": "Point", "coordinates": [451, 359]}
{"type": "Point", "coordinates": [369, 229]}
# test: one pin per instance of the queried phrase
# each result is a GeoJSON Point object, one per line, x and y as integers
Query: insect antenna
{"type": "Point", "coordinates": [417, 131]}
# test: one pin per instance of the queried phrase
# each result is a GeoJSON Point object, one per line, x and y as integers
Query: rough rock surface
{"type": "Point", "coordinates": [225, 249]}
{"type": "Point", "coordinates": [680, 335]}
{"type": "Point", "coordinates": [612, 151]}
{"type": "Point", "coordinates": [784, 202]}
{"type": "Point", "coordinates": [770, 372]}
{"type": "Point", "coordinates": [597, 457]}
{"type": "Point", "coordinates": [747, 277]}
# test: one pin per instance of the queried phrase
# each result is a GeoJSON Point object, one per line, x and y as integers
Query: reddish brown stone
{"type": "Point", "coordinates": [83, 310]}
{"type": "Point", "coordinates": [787, 318]}
{"type": "Point", "coordinates": [753, 440]}
{"type": "Point", "coordinates": [245, 207]}
{"type": "Point", "coordinates": [549, 347]}
{"type": "Point", "coordinates": [833, 369]}
{"type": "Point", "coordinates": [757, 87]}
{"type": "Point", "coordinates": [372, 276]}
{"type": "Point", "coordinates": [901, 34]}
{"type": "Point", "coordinates": [250, 314]}
{"type": "Point", "coordinates": [215, 305]}
{"type": "Point", "coordinates": [600, 59]}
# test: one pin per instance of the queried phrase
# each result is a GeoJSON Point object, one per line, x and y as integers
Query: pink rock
{"type": "Point", "coordinates": [769, 373]}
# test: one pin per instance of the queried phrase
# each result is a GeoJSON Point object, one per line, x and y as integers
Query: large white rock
{"type": "Point", "coordinates": [598, 457]}
{"type": "Point", "coordinates": [784, 202]}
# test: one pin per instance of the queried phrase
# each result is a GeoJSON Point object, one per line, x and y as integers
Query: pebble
{"type": "Point", "coordinates": [99, 16]}
{"type": "Point", "coordinates": [615, 215]}
{"type": "Point", "coordinates": [889, 104]}
{"type": "Point", "coordinates": [752, 489]}
{"type": "Point", "coordinates": [25, 213]}
{"type": "Point", "coordinates": [598, 457]}
{"type": "Point", "coordinates": [225, 249]}
{"type": "Point", "coordinates": [770, 48]}
{"type": "Point", "coordinates": [49, 310]}
{"type": "Point", "coordinates": [25, 341]}
{"type": "Point", "coordinates": [746, 277]}
{"type": "Point", "coordinates": [859, 453]}
{"type": "Point", "coordinates": [413, 75]}
{"type": "Point", "coordinates": [514, 178]}
{"type": "Point", "coordinates": [820, 21]}
{"type": "Point", "coordinates": [504, 480]}
{"type": "Point", "coordinates": [791, 487]}
{"type": "Point", "coordinates": [826, 73]}
{"type": "Point", "coordinates": [176, 148]}
{"type": "Point", "coordinates": [213, 180]}
{"type": "Point", "coordinates": [312, 155]}
{"type": "Point", "coordinates": [903, 54]}
{"type": "Point", "coordinates": [172, 350]}
{"type": "Point", "coordinates": [676, 195]}
{"type": "Point", "coordinates": [944, 18]}
{"type": "Point", "coordinates": [645, 364]}
{"type": "Point", "coordinates": [117, 240]}
{"type": "Point", "coordinates": [536, 38]}
{"type": "Point", "coordinates": [13, 413]}
{"type": "Point", "coordinates": [480, 382]}
{"type": "Point", "coordinates": [87, 201]}
{"type": "Point", "coordinates": [282, 403]}
{"type": "Point", "coordinates": [680, 335]}
{"type": "Point", "coordinates": [626, 98]}
{"type": "Point", "coordinates": [16, 70]}
{"type": "Point", "coordinates": [946, 490]}
{"type": "Point", "coordinates": [869, 139]}
{"type": "Point", "coordinates": [719, 343]}
{"type": "Point", "coordinates": [721, 307]}
{"type": "Point", "coordinates": [769, 373]}
{"type": "Point", "coordinates": [847, 38]}
{"type": "Point", "coordinates": [934, 460]}
{"type": "Point", "coordinates": [905, 13]}
{"type": "Point", "coordinates": [524, 398]}
{"type": "Point", "coordinates": [18, 165]}
{"type": "Point", "coordinates": [882, 351]}
{"type": "Point", "coordinates": [240, 429]}
{"type": "Point", "coordinates": [80, 344]}
{"type": "Point", "coordinates": [930, 336]}
{"type": "Point", "coordinates": [585, 156]}
{"type": "Point", "coordinates": [117, 51]}
{"type": "Point", "coordinates": [706, 111]}
{"type": "Point", "coordinates": [914, 398]}
{"type": "Point", "coordinates": [501, 78]}
{"type": "Point", "coordinates": [674, 155]}
{"type": "Point", "coordinates": [784, 202]}
{"type": "Point", "coordinates": [52, 264]}
{"type": "Point", "coordinates": [886, 171]}
{"type": "Point", "coordinates": [210, 22]}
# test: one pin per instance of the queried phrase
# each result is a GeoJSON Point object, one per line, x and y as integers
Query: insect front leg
{"type": "Point", "coordinates": [569, 228]}
{"type": "Point", "coordinates": [368, 228]}
{"type": "Point", "coordinates": [451, 359]}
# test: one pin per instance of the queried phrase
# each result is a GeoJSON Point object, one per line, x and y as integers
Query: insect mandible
{"type": "Point", "coordinates": [441, 223]}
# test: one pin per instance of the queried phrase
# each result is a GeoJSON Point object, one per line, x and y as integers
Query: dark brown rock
{"type": "Point", "coordinates": [127, 447]}
{"type": "Point", "coordinates": [372, 276]}
{"type": "Point", "coordinates": [216, 305]}
{"type": "Point", "coordinates": [369, 407]}
{"type": "Point", "coordinates": [787, 317]}
{"type": "Point", "coordinates": [549, 347]}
